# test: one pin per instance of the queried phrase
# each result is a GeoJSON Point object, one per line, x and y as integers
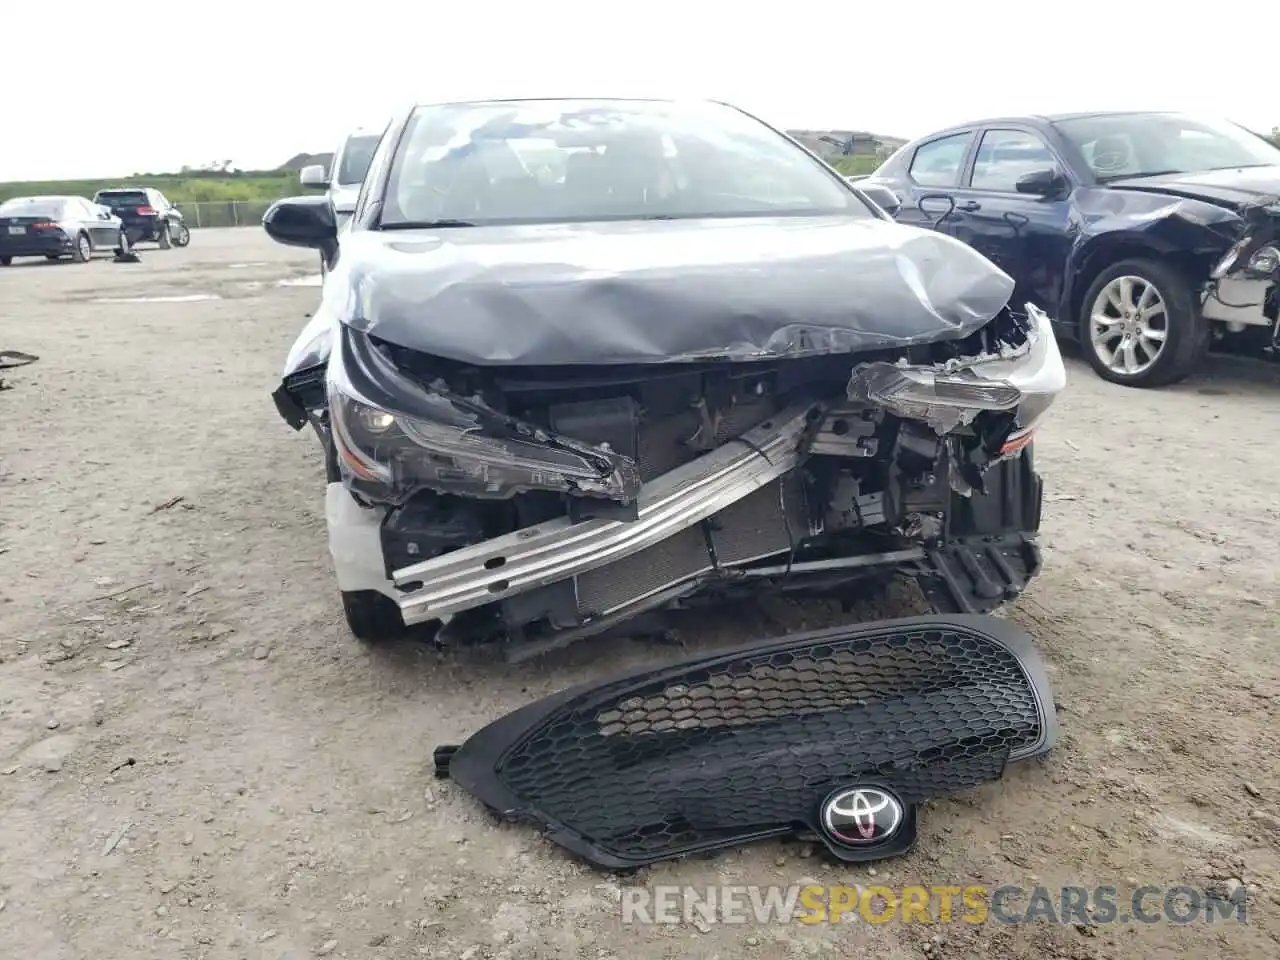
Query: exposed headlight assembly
{"type": "Point", "coordinates": [1025, 382]}
{"type": "Point", "coordinates": [450, 444]}
{"type": "Point", "coordinates": [1264, 263]}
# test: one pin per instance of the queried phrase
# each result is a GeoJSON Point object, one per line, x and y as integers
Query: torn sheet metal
{"type": "Point", "coordinates": [661, 291]}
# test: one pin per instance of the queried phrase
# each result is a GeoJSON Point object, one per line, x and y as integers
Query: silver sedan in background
{"type": "Point", "coordinates": [56, 227]}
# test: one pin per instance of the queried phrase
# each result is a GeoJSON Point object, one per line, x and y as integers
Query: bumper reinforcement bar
{"type": "Point", "coordinates": [549, 552]}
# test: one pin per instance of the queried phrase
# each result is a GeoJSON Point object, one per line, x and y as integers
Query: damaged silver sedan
{"type": "Point", "coordinates": [578, 362]}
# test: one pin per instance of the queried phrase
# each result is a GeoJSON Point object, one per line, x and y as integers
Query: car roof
{"type": "Point", "coordinates": [1047, 118]}
{"type": "Point", "coordinates": [598, 99]}
{"type": "Point", "coordinates": [44, 199]}
{"type": "Point", "coordinates": [124, 190]}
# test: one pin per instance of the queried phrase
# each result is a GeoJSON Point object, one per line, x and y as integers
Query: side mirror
{"type": "Point", "coordinates": [314, 176]}
{"type": "Point", "coordinates": [303, 222]}
{"type": "Point", "coordinates": [1041, 183]}
{"type": "Point", "coordinates": [881, 196]}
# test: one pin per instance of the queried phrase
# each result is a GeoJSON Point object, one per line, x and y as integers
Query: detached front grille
{"type": "Point", "coordinates": [744, 745]}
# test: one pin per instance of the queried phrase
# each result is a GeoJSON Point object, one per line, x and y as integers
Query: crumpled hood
{"type": "Point", "coordinates": [1234, 188]}
{"type": "Point", "coordinates": [657, 291]}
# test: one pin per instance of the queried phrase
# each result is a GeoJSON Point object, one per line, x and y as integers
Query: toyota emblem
{"type": "Point", "coordinates": [861, 816]}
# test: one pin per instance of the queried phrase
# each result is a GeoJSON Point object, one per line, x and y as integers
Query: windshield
{"type": "Point", "coordinates": [1146, 144]}
{"type": "Point", "coordinates": [354, 163]}
{"type": "Point", "coordinates": [50, 207]}
{"type": "Point", "coordinates": [574, 160]}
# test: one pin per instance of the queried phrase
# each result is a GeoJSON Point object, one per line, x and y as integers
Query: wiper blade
{"type": "Point", "coordinates": [1139, 176]}
{"type": "Point", "coordinates": [425, 224]}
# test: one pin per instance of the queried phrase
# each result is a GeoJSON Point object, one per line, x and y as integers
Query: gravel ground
{"type": "Point", "coordinates": [173, 664]}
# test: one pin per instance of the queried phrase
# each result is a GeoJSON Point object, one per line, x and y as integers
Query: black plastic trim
{"type": "Point", "coordinates": [477, 764]}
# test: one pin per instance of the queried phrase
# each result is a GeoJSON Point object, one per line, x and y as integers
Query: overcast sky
{"type": "Point", "coordinates": [256, 82]}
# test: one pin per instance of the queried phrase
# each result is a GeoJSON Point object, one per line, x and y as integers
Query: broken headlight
{"type": "Point", "coordinates": [399, 454]}
{"type": "Point", "coordinates": [1023, 379]}
{"type": "Point", "coordinates": [450, 444]}
{"type": "Point", "coordinates": [1263, 263]}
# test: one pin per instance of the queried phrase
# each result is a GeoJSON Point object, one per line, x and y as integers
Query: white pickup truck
{"type": "Point", "coordinates": [349, 166]}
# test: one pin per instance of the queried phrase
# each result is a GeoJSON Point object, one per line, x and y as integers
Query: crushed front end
{"type": "Point", "coordinates": [1242, 296]}
{"type": "Point", "coordinates": [543, 504]}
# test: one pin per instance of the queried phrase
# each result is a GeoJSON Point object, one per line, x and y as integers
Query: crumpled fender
{"type": "Point", "coordinates": [1168, 225]}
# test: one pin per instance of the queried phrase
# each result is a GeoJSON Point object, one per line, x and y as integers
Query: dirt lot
{"type": "Point", "coordinates": [174, 660]}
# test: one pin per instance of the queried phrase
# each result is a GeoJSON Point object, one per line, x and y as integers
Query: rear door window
{"type": "Point", "coordinates": [938, 162]}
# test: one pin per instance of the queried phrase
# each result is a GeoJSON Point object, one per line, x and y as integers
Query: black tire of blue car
{"type": "Point", "coordinates": [163, 238]}
{"type": "Point", "coordinates": [371, 617]}
{"type": "Point", "coordinates": [83, 249]}
{"type": "Point", "coordinates": [5, 261]}
{"type": "Point", "coordinates": [1186, 334]}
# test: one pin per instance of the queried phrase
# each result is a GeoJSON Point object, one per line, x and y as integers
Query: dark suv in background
{"type": "Point", "coordinates": [147, 215]}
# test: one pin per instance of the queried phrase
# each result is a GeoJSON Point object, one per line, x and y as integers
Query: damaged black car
{"type": "Point", "coordinates": [1148, 237]}
{"type": "Point", "coordinates": [579, 361]}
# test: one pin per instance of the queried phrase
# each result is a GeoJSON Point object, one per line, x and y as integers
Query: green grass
{"type": "Point", "coordinates": [259, 185]}
{"type": "Point", "coordinates": [857, 164]}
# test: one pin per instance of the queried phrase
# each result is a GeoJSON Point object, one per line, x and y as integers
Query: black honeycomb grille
{"type": "Point", "coordinates": [733, 747]}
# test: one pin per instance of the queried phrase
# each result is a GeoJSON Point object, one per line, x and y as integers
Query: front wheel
{"type": "Point", "coordinates": [183, 235]}
{"type": "Point", "coordinates": [1140, 327]}
{"type": "Point", "coordinates": [371, 617]}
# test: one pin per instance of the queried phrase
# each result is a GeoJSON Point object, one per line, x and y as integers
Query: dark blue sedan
{"type": "Point", "coordinates": [1147, 236]}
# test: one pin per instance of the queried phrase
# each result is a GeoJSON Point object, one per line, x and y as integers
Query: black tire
{"type": "Point", "coordinates": [5, 261]}
{"type": "Point", "coordinates": [1186, 333]}
{"type": "Point", "coordinates": [162, 238]}
{"type": "Point", "coordinates": [371, 617]}
{"type": "Point", "coordinates": [82, 251]}
{"type": "Point", "coordinates": [183, 236]}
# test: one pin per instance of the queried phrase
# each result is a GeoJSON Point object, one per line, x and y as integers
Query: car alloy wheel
{"type": "Point", "coordinates": [1128, 325]}
{"type": "Point", "coordinates": [84, 249]}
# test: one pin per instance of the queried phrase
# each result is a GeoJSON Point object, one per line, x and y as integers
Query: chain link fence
{"type": "Point", "coordinates": [228, 213]}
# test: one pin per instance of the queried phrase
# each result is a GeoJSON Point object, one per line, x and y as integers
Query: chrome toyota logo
{"type": "Point", "coordinates": [861, 816]}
